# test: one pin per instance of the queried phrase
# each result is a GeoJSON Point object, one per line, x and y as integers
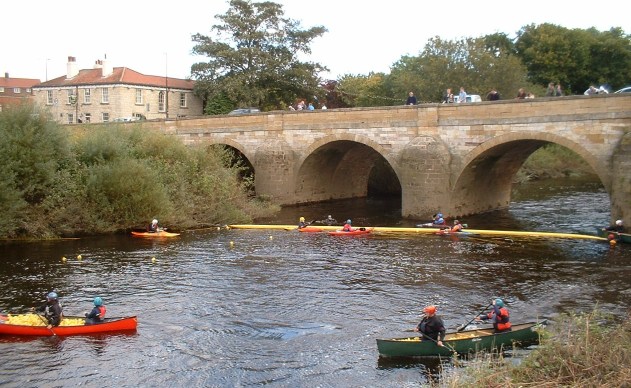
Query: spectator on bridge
{"type": "Point", "coordinates": [301, 105]}
{"type": "Point", "coordinates": [558, 92]}
{"type": "Point", "coordinates": [591, 90]}
{"type": "Point", "coordinates": [323, 107]}
{"type": "Point", "coordinates": [462, 96]}
{"type": "Point", "coordinates": [521, 94]}
{"type": "Point", "coordinates": [310, 107]}
{"type": "Point", "coordinates": [448, 97]}
{"type": "Point", "coordinates": [550, 92]}
{"type": "Point", "coordinates": [411, 99]}
{"type": "Point", "coordinates": [493, 95]}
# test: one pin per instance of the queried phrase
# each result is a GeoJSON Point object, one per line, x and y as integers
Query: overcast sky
{"type": "Point", "coordinates": [154, 37]}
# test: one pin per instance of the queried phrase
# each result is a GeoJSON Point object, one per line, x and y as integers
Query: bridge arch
{"type": "Point", "coordinates": [483, 180]}
{"type": "Point", "coordinates": [338, 167]}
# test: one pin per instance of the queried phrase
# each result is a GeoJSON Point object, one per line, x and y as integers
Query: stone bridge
{"type": "Point", "coordinates": [461, 158]}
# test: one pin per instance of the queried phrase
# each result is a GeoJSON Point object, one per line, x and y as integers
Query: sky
{"type": "Point", "coordinates": [154, 37]}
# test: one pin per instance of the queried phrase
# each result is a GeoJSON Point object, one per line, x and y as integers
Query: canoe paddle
{"type": "Point", "coordinates": [461, 328]}
{"type": "Point", "coordinates": [46, 324]}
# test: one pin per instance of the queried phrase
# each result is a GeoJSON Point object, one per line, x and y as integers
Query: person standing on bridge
{"type": "Point", "coordinates": [411, 99]}
{"type": "Point", "coordinates": [462, 96]}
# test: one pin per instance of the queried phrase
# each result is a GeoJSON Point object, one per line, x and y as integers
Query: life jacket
{"type": "Point", "coordinates": [501, 321]}
{"type": "Point", "coordinates": [347, 228]}
{"type": "Point", "coordinates": [102, 311]}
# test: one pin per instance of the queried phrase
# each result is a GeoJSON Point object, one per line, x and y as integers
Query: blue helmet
{"type": "Point", "coordinates": [98, 301]}
{"type": "Point", "coordinates": [348, 221]}
{"type": "Point", "coordinates": [499, 303]}
{"type": "Point", "coordinates": [439, 215]}
{"type": "Point", "coordinates": [52, 295]}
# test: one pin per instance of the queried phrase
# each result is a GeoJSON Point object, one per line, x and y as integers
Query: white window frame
{"type": "Point", "coordinates": [49, 97]}
{"type": "Point", "coordinates": [87, 118]}
{"type": "Point", "coordinates": [72, 97]}
{"type": "Point", "coordinates": [87, 96]}
{"type": "Point", "coordinates": [70, 118]}
{"type": "Point", "coordinates": [161, 100]}
{"type": "Point", "coordinates": [17, 90]}
{"type": "Point", "coordinates": [138, 96]}
{"type": "Point", "coordinates": [105, 117]}
{"type": "Point", "coordinates": [182, 100]}
{"type": "Point", "coordinates": [105, 96]}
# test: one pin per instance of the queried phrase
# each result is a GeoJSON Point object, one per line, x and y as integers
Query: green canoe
{"type": "Point", "coordinates": [621, 237]}
{"type": "Point", "coordinates": [466, 341]}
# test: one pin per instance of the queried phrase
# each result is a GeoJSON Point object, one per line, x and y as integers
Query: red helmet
{"type": "Point", "coordinates": [430, 310]}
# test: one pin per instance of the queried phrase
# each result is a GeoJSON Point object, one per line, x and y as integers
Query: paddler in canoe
{"type": "Point", "coordinates": [52, 309]}
{"type": "Point", "coordinates": [97, 315]}
{"type": "Point", "coordinates": [432, 326]}
{"type": "Point", "coordinates": [499, 316]}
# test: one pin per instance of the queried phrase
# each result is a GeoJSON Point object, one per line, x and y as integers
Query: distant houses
{"type": "Point", "coordinates": [105, 93]}
{"type": "Point", "coordinates": [15, 90]}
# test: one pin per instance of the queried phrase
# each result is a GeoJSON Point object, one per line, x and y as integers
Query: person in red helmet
{"type": "Point", "coordinates": [432, 325]}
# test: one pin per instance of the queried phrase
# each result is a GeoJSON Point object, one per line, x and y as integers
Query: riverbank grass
{"type": "Point", "coordinates": [577, 350]}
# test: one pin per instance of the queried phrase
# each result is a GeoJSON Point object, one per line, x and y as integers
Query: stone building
{"type": "Point", "coordinates": [15, 90]}
{"type": "Point", "coordinates": [105, 93]}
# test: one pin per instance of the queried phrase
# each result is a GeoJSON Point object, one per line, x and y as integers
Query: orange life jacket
{"type": "Point", "coordinates": [102, 311]}
{"type": "Point", "coordinates": [501, 322]}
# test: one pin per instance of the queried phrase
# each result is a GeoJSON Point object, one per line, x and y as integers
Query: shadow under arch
{"type": "Point", "coordinates": [483, 180]}
{"type": "Point", "coordinates": [343, 167]}
{"type": "Point", "coordinates": [237, 159]}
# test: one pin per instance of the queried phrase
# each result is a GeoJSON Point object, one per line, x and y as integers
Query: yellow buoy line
{"type": "Point", "coordinates": [414, 230]}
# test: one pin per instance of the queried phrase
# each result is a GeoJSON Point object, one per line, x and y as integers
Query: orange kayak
{"type": "Point", "coordinates": [161, 233]}
{"type": "Point", "coordinates": [310, 229]}
{"type": "Point", "coordinates": [110, 325]}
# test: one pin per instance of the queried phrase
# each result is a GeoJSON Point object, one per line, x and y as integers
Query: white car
{"type": "Point", "coordinates": [626, 89]}
{"type": "Point", "coordinates": [470, 98]}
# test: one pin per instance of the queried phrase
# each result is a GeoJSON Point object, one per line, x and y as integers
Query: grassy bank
{"type": "Point", "coordinates": [56, 182]}
{"type": "Point", "coordinates": [553, 161]}
{"type": "Point", "coordinates": [584, 350]}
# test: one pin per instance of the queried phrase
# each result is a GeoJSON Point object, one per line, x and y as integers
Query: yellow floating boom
{"type": "Point", "coordinates": [413, 230]}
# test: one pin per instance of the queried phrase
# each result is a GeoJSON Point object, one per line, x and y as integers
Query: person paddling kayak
{"type": "Point", "coordinates": [347, 226]}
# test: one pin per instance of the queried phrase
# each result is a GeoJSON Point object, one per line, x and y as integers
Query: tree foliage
{"type": "Point", "coordinates": [575, 58]}
{"type": "Point", "coordinates": [254, 57]}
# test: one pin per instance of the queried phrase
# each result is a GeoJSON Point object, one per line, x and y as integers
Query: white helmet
{"type": "Point", "coordinates": [154, 221]}
{"type": "Point", "coordinates": [619, 222]}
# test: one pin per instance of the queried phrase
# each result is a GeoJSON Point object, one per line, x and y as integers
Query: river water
{"type": "Point", "coordinates": [240, 308]}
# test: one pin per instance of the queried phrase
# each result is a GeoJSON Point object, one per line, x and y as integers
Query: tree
{"type": "Point", "coordinates": [575, 58]}
{"type": "Point", "coordinates": [254, 57]}
{"type": "Point", "coordinates": [479, 65]}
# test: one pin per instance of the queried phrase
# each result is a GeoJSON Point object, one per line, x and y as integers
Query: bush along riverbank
{"type": "Point", "coordinates": [577, 350]}
{"type": "Point", "coordinates": [57, 182]}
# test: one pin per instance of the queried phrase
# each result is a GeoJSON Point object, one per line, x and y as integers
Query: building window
{"type": "Point", "coordinates": [70, 118]}
{"type": "Point", "coordinates": [28, 90]}
{"type": "Point", "coordinates": [88, 117]}
{"type": "Point", "coordinates": [72, 97]}
{"type": "Point", "coordinates": [138, 96]}
{"type": "Point", "coordinates": [161, 102]}
{"type": "Point", "coordinates": [105, 117]}
{"type": "Point", "coordinates": [87, 96]}
{"type": "Point", "coordinates": [1, 90]}
{"type": "Point", "coordinates": [182, 100]}
{"type": "Point", "coordinates": [49, 97]}
{"type": "Point", "coordinates": [105, 96]}
{"type": "Point", "coordinates": [17, 90]}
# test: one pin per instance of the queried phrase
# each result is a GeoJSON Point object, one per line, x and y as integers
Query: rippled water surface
{"type": "Point", "coordinates": [283, 308]}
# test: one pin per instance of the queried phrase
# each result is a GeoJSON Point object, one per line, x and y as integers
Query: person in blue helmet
{"type": "Point", "coordinates": [53, 312]}
{"type": "Point", "coordinates": [97, 315]}
{"type": "Point", "coordinates": [347, 226]}
{"type": "Point", "coordinates": [438, 219]}
{"type": "Point", "coordinates": [499, 316]}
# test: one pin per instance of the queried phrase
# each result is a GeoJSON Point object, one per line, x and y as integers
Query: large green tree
{"type": "Point", "coordinates": [575, 58]}
{"type": "Point", "coordinates": [254, 58]}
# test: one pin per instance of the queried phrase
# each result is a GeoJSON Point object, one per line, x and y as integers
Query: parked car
{"type": "Point", "coordinates": [626, 89]}
{"type": "Point", "coordinates": [244, 111]}
{"type": "Point", "coordinates": [471, 98]}
{"type": "Point", "coordinates": [127, 119]}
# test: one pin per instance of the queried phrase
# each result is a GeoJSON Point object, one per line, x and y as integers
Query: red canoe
{"type": "Point", "coordinates": [161, 233]}
{"type": "Point", "coordinates": [353, 233]}
{"type": "Point", "coordinates": [110, 325]}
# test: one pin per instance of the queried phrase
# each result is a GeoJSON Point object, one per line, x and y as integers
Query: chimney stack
{"type": "Point", "coordinates": [72, 68]}
{"type": "Point", "coordinates": [6, 75]}
{"type": "Point", "coordinates": [107, 69]}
